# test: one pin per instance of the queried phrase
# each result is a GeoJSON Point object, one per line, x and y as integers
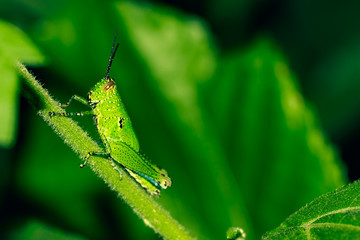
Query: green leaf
{"type": "Point", "coordinates": [335, 215]}
{"type": "Point", "coordinates": [176, 53]}
{"type": "Point", "coordinates": [14, 45]}
{"type": "Point", "coordinates": [270, 135]}
{"type": "Point", "coordinates": [9, 93]}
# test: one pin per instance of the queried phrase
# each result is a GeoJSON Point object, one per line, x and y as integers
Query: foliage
{"type": "Point", "coordinates": [242, 146]}
{"type": "Point", "coordinates": [331, 216]}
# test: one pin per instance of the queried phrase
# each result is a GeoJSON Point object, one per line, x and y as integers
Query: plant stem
{"type": "Point", "coordinates": [143, 205]}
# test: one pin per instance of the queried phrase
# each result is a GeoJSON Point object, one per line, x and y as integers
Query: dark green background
{"type": "Point", "coordinates": [237, 100]}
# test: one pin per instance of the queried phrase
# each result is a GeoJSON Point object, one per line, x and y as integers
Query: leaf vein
{"type": "Point", "coordinates": [334, 225]}
{"type": "Point", "coordinates": [342, 210]}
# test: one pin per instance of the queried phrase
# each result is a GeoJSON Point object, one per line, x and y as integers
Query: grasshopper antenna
{"type": "Point", "coordinates": [112, 55]}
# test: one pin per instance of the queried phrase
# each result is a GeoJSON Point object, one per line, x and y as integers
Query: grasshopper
{"type": "Point", "coordinates": [117, 134]}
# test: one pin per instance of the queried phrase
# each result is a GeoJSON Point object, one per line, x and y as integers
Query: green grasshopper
{"type": "Point", "coordinates": [117, 134]}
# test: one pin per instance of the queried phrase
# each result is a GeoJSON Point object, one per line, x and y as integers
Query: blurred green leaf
{"type": "Point", "coordinates": [14, 45]}
{"type": "Point", "coordinates": [177, 54]}
{"type": "Point", "coordinates": [334, 215]}
{"type": "Point", "coordinates": [35, 230]}
{"type": "Point", "coordinates": [272, 139]}
{"type": "Point", "coordinates": [9, 93]}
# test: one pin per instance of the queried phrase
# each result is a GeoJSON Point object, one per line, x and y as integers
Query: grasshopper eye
{"type": "Point", "coordinates": [110, 85]}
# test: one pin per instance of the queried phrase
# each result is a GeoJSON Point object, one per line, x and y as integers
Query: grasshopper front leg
{"type": "Point", "coordinates": [70, 114]}
{"type": "Point", "coordinates": [77, 98]}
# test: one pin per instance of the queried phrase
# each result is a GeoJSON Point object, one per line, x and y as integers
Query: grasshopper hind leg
{"type": "Point", "coordinates": [89, 154]}
{"type": "Point", "coordinates": [104, 155]}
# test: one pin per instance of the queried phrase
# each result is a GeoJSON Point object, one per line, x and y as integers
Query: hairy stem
{"type": "Point", "coordinates": [143, 205]}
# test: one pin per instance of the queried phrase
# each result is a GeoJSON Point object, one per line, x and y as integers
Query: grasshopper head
{"type": "Point", "coordinates": [102, 90]}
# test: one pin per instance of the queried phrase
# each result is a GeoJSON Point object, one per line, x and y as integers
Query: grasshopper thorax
{"type": "Point", "coordinates": [102, 90]}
